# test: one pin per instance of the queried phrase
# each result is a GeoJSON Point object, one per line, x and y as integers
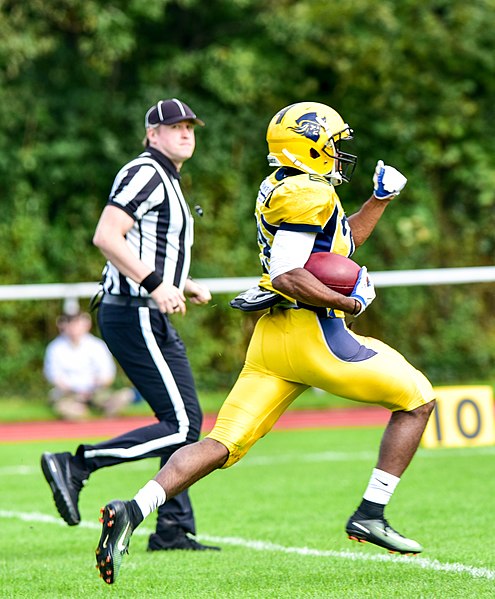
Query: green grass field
{"type": "Point", "coordinates": [278, 516]}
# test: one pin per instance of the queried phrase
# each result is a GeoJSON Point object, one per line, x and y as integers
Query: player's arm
{"type": "Point", "coordinates": [301, 285]}
{"type": "Point", "coordinates": [364, 221]}
{"type": "Point", "coordinates": [289, 253]}
{"type": "Point", "coordinates": [109, 237]}
{"type": "Point", "coordinates": [388, 182]}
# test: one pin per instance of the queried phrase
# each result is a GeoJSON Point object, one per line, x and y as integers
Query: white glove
{"type": "Point", "coordinates": [388, 181]}
{"type": "Point", "coordinates": [364, 290]}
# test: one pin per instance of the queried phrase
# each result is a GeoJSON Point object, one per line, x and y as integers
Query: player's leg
{"type": "Point", "coordinates": [401, 438]}
{"type": "Point", "coordinates": [367, 370]}
{"type": "Point", "coordinates": [399, 444]}
{"type": "Point", "coordinates": [402, 388]}
{"type": "Point", "coordinates": [253, 406]}
{"type": "Point", "coordinates": [120, 518]}
{"type": "Point", "coordinates": [255, 403]}
{"type": "Point", "coordinates": [175, 523]}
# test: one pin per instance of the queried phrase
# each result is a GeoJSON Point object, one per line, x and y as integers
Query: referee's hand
{"type": "Point", "coordinates": [169, 299]}
{"type": "Point", "coordinates": [196, 292]}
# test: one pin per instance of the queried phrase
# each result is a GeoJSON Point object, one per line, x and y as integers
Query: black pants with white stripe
{"type": "Point", "coordinates": [154, 358]}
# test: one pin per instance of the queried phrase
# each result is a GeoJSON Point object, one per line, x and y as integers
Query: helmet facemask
{"type": "Point", "coordinates": [344, 163]}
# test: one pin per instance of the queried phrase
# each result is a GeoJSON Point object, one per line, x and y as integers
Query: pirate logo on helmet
{"type": "Point", "coordinates": [308, 126]}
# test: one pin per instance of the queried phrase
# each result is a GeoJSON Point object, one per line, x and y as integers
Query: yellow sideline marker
{"type": "Point", "coordinates": [463, 417]}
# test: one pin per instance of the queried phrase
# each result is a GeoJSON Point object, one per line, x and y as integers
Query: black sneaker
{"type": "Point", "coordinates": [379, 532]}
{"type": "Point", "coordinates": [64, 483]}
{"type": "Point", "coordinates": [181, 541]}
{"type": "Point", "coordinates": [114, 540]}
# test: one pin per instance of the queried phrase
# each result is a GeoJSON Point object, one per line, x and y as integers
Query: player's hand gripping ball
{"type": "Point", "coordinates": [364, 291]}
{"type": "Point", "coordinates": [333, 270]}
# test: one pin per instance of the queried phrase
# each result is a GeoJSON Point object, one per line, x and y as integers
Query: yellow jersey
{"type": "Point", "coordinates": [295, 201]}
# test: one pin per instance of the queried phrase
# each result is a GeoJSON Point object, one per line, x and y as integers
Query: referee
{"type": "Point", "coordinates": [146, 232]}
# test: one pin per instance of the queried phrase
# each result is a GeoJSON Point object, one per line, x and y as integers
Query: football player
{"type": "Point", "coordinates": [303, 340]}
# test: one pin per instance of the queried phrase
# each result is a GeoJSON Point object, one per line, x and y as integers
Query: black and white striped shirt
{"type": "Point", "coordinates": [148, 189]}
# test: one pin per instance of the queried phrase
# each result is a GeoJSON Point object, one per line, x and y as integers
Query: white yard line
{"type": "Point", "coordinates": [418, 562]}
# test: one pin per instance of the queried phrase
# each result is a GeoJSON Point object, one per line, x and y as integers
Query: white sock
{"type": "Point", "coordinates": [381, 486]}
{"type": "Point", "coordinates": [150, 497]}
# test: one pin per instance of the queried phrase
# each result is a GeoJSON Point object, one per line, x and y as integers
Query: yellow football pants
{"type": "Point", "coordinates": [291, 350]}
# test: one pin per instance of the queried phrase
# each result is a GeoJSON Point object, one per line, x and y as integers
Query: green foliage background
{"type": "Point", "coordinates": [416, 82]}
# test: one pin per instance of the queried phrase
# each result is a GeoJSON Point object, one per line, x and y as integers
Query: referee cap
{"type": "Point", "coordinates": [168, 112]}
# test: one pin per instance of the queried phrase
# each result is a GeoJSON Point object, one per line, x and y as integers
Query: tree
{"type": "Point", "coordinates": [415, 82]}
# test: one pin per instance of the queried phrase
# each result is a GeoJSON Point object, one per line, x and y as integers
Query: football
{"type": "Point", "coordinates": [333, 270]}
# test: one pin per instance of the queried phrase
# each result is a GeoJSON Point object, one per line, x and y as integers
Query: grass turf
{"type": "Point", "coordinates": [279, 517]}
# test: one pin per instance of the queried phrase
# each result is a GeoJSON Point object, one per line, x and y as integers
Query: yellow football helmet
{"type": "Point", "coordinates": [307, 136]}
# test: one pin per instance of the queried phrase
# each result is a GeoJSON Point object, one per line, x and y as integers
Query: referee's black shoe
{"type": "Point", "coordinates": [64, 483]}
{"type": "Point", "coordinates": [178, 540]}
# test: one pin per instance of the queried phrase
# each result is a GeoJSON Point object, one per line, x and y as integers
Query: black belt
{"type": "Point", "coordinates": [130, 302]}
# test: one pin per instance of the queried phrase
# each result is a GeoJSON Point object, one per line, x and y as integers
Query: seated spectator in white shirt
{"type": "Point", "coordinates": [81, 369]}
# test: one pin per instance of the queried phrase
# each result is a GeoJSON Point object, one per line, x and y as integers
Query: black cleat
{"type": "Point", "coordinates": [180, 542]}
{"type": "Point", "coordinates": [379, 532]}
{"type": "Point", "coordinates": [64, 484]}
{"type": "Point", "coordinates": [114, 540]}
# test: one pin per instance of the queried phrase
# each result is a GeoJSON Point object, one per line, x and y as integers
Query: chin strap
{"type": "Point", "coordinates": [334, 177]}
{"type": "Point", "coordinates": [297, 163]}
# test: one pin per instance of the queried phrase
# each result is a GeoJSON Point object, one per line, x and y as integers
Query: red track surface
{"type": "Point", "coordinates": [296, 419]}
